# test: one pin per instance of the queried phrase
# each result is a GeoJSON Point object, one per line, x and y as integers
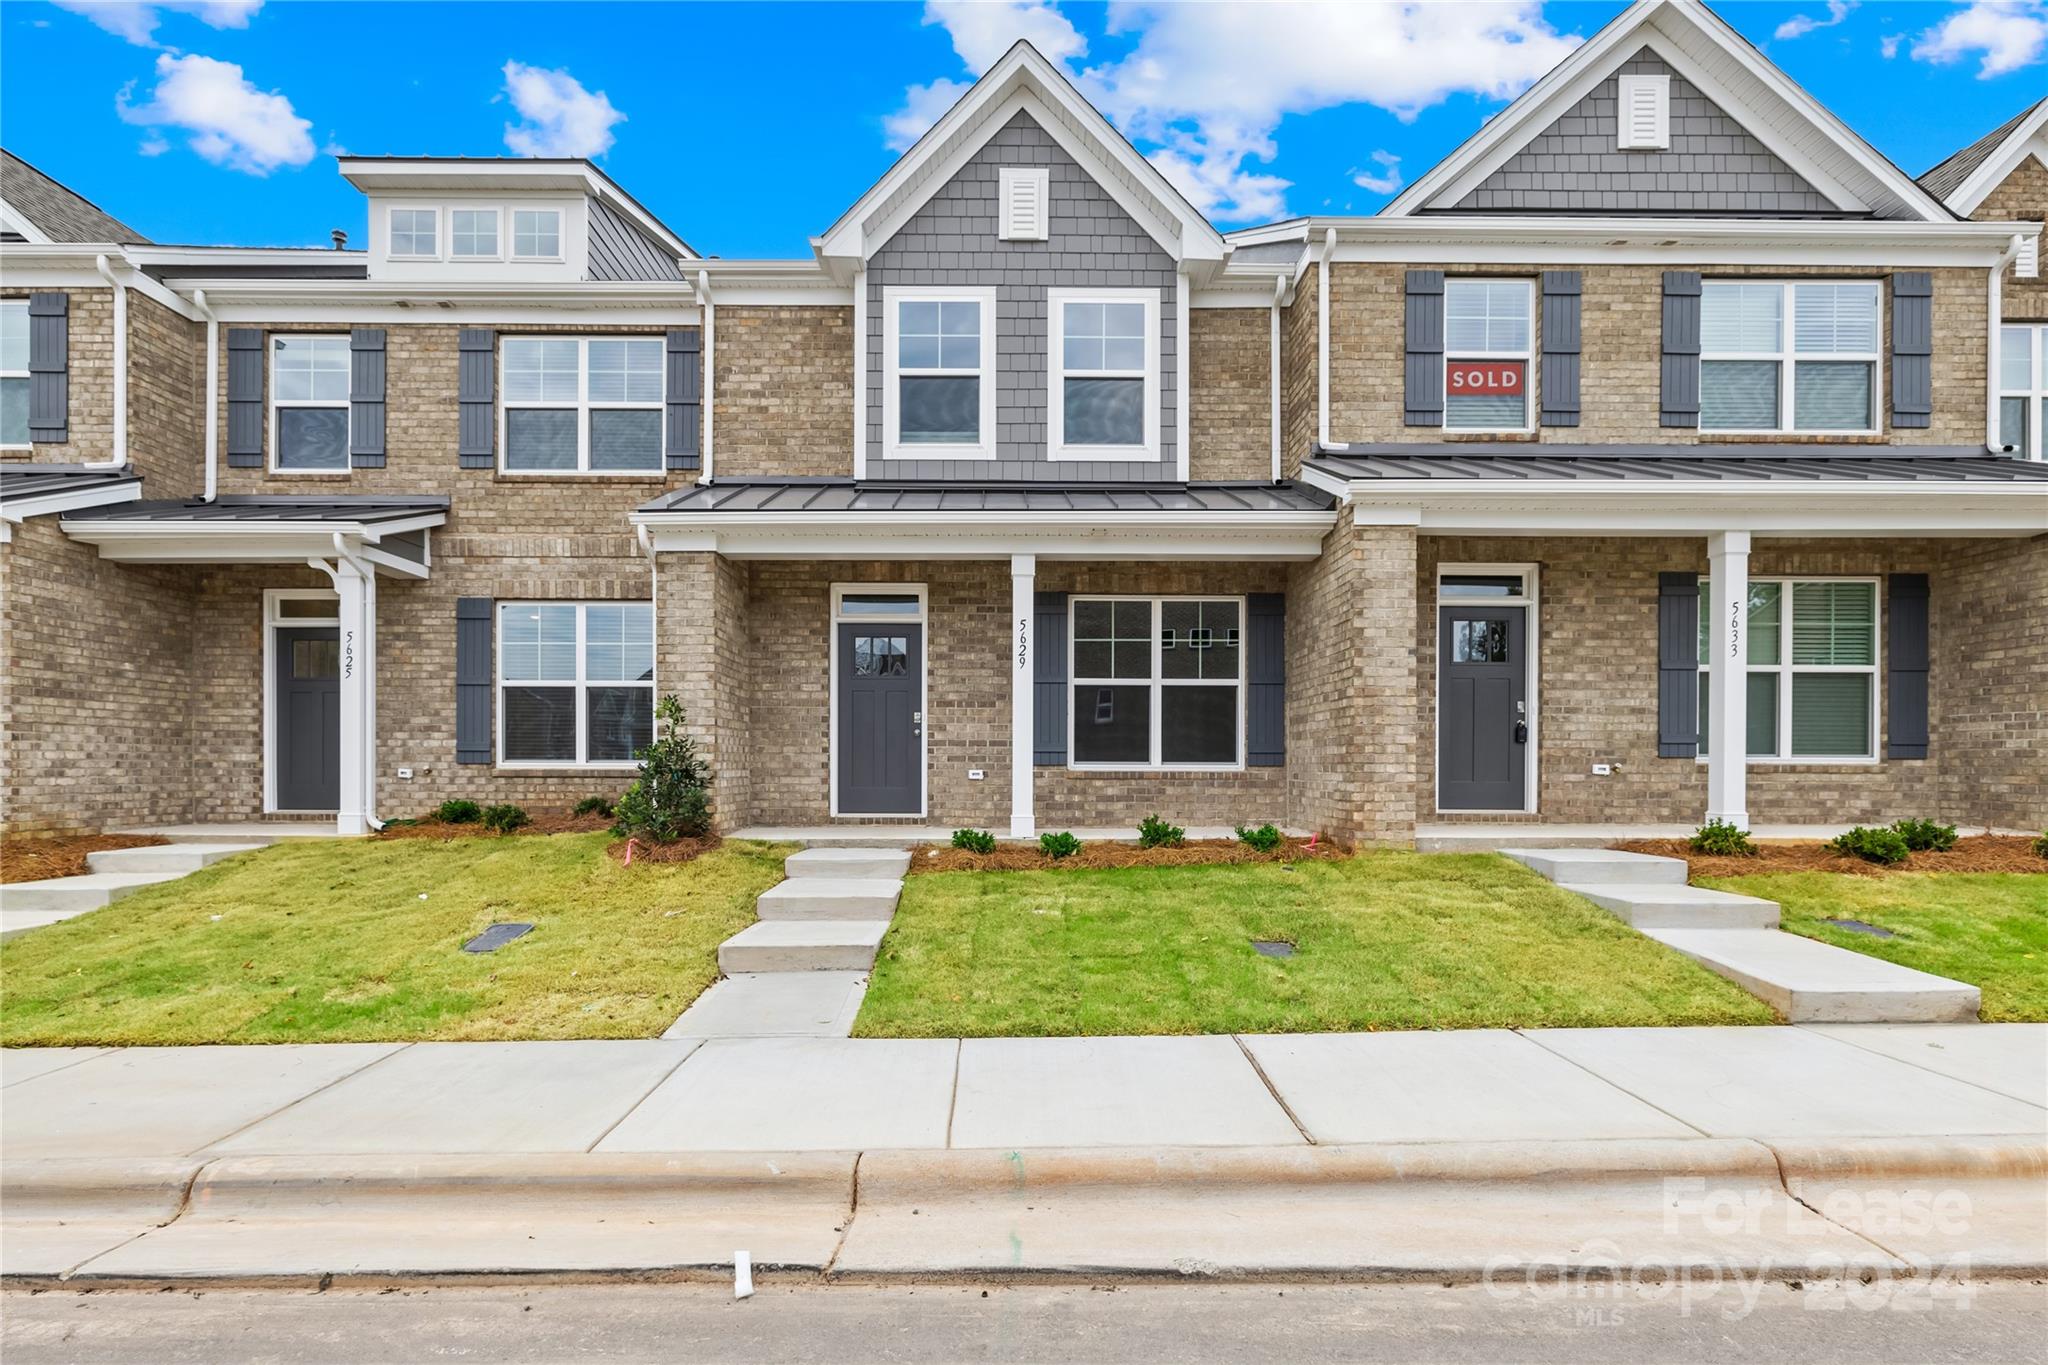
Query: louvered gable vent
{"type": "Point", "coordinates": [1644, 118]}
{"type": "Point", "coordinates": [1024, 203]}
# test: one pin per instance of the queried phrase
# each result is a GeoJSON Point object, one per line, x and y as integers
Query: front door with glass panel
{"type": "Point", "coordinates": [1482, 707]}
{"type": "Point", "coordinates": [880, 744]}
{"type": "Point", "coordinates": [307, 713]}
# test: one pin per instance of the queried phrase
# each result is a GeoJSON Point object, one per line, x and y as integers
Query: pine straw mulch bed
{"type": "Point", "coordinates": [33, 857]}
{"type": "Point", "coordinates": [675, 851]}
{"type": "Point", "coordinates": [1978, 853]}
{"type": "Point", "coordinates": [1103, 854]}
{"type": "Point", "coordinates": [544, 822]}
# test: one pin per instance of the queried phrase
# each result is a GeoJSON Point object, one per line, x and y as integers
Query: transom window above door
{"type": "Point", "coordinates": [938, 396]}
{"type": "Point", "coordinates": [2023, 389]}
{"type": "Point", "coordinates": [588, 405]}
{"type": "Point", "coordinates": [1789, 357]}
{"type": "Point", "coordinates": [1487, 330]}
{"type": "Point", "coordinates": [1103, 379]}
{"type": "Point", "coordinates": [309, 404]}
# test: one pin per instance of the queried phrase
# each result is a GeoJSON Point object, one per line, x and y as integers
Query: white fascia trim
{"type": "Point", "coordinates": [323, 532]}
{"type": "Point", "coordinates": [76, 270]}
{"type": "Point", "coordinates": [1047, 545]}
{"type": "Point", "coordinates": [1053, 522]}
{"type": "Point", "coordinates": [1897, 507]}
{"type": "Point", "coordinates": [1526, 239]}
{"type": "Point", "coordinates": [17, 223]}
{"type": "Point", "coordinates": [2017, 147]}
{"type": "Point", "coordinates": [19, 510]}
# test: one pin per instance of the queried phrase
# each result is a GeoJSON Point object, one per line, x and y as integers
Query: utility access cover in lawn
{"type": "Point", "coordinates": [496, 937]}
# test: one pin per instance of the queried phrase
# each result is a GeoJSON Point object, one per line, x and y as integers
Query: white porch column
{"type": "Point", "coordinates": [1023, 602]}
{"type": "Point", "coordinates": [1727, 605]}
{"type": "Point", "coordinates": [357, 707]}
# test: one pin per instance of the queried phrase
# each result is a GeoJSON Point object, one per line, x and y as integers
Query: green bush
{"type": "Point", "coordinates": [1722, 839]}
{"type": "Point", "coordinates": [2041, 845]}
{"type": "Point", "coordinates": [1872, 845]}
{"type": "Point", "coordinates": [1922, 835]}
{"type": "Point", "coordinates": [1264, 839]}
{"type": "Point", "coordinates": [1061, 845]}
{"type": "Point", "coordinates": [671, 799]}
{"type": "Point", "coordinates": [458, 812]}
{"type": "Point", "coordinates": [974, 840]}
{"type": "Point", "coordinates": [505, 818]}
{"type": "Point", "coordinates": [594, 805]}
{"type": "Point", "coordinates": [1154, 832]}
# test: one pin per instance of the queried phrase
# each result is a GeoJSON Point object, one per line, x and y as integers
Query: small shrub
{"type": "Point", "coordinates": [671, 799]}
{"type": "Point", "coordinates": [594, 805]}
{"type": "Point", "coordinates": [2041, 845]}
{"type": "Point", "coordinates": [505, 818]}
{"type": "Point", "coordinates": [974, 840]}
{"type": "Point", "coordinates": [1872, 845]}
{"type": "Point", "coordinates": [1923, 835]}
{"type": "Point", "coordinates": [1154, 832]}
{"type": "Point", "coordinates": [1264, 839]}
{"type": "Point", "coordinates": [1061, 845]}
{"type": "Point", "coordinates": [458, 812]}
{"type": "Point", "coordinates": [1719, 838]}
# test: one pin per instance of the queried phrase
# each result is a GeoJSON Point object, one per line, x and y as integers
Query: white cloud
{"type": "Point", "coordinates": [1888, 45]}
{"type": "Point", "coordinates": [2004, 35]}
{"type": "Point", "coordinates": [562, 118]}
{"type": "Point", "coordinates": [1799, 25]}
{"type": "Point", "coordinates": [225, 118]}
{"type": "Point", "coordinates": [154, 145]}
{"type": "Point", "coordinates": [137, 21]}
{"type": "Point", "coordinates": [1385, 180]}
{"type": "Point", "coordinates": [923, 105]}
{"type": "Point", "coordinates": [983, 30]}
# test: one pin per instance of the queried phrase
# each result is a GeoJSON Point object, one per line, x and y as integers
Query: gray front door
{"type": "Point", "coordinates": [881, 718]}
{"type": "Point", "coordinates": [1482, 719]}
{"type": "Point", "coordinates": [308, 718]}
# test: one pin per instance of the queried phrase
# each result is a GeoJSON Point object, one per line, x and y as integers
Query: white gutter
{"type": "Point", "coordinates": [120, 456]}
{"type": "Point", "coordinates": [1273, 375]}
{"type": "Point", "coordinates": [212, 392]}
{"type": "Point", "coordinates": [710, 312]}
{"type": "Point", "coordinates": [1323, 338]}
{"type": "Point", "coordinates": [1995, 322]}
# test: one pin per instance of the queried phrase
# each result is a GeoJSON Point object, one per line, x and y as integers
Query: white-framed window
{"type": "Point", "coordinates": [1102, 387]}
{"type": "Point", "coordinates": [415, 234]}
{"type": "Point", "coordinates": [1488, 331]}
{"type": "Point", "coordinates": [309, 404]}
{"type": "Point", "coordinates": [1812, 669]}
{"type": "Point", "coordinates": [536, 234]}
{"type": "Point", "coordinates": [1158, 682]}
{"type": "Point", "coordinates": [2023, 389]}
{"type": "Point", "coordinates": [582, 405]}
{"type": "Point", "coordinates": [1790, 357]}
{"type": "Point", "coordinates": [939, 377]}
{"type": "Point", "coordinates": [575, 683]}
{"type": "Point", "coordinates": [473, 234]}
{"type": "Point", "coordinates": [14, 374]}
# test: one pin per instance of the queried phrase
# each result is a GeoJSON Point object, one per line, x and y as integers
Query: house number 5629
{"type": "Point", "coordinates": [1023, 643]}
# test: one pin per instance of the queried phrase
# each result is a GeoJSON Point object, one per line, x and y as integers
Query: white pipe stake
{"type": "Point", "coordinates": [742, 1275]}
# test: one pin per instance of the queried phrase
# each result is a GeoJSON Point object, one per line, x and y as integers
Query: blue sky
{"type": "Point", "coordinates": [748, 128]}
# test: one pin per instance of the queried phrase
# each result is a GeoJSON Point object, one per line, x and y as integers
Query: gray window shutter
{"type": "Point", "coordinates": [1678, 665]}
{"type": "Point", "coordinates": [1049, 679]}
{"type": "Point", "coordinates": [1265, 726]}
{"type": "Point", "coordinates": [366, 398]}
{"type": "Point", "coordinates": [472, 680]}
{"type": "Point", "coordinates": [1425, 329]}
{"type": "Point", "coordinates": [1913, 349]}
{"type": "Point", "coordinates": [1906, 663]}
{"type": "Point", "coordinates": [1681, 384]}
{"type": "Point", "coordinates": [49, 373]}
{"type": "Point", "coordinates": [245, 398]}
{"type": "Point", "coordinates": [1560, 380]}
{"type": "Point", "coordinates": [476, 444]}
{"type": "Point", "coordinates": [685, 397]}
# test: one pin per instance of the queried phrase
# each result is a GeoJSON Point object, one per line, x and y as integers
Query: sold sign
{"type": "Point", "coordinates": [1486, 376]}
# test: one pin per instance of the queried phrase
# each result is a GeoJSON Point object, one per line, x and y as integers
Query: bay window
{"type": "Point", "coordinates": [1780, 357]}
{"type": "Point", "coordinates": [2023, 389]}
{"type": "Point", "coordinates": [583, 405]}
{"type": "Point", "coordinates": [14, 373]}
{"type": "Point", "coordinates": [938, 395]}
{"type": "Point", "coordinates": [1102, 390]}
{"type": "Point", "coordinates": [575, 683]}
{"type": "Point", "coordinates": [1487, 332]}
{"type": "Point", "coordinates": [1812, 670]}
{"type": "Point", "coordinates": [1158, 682]}
{"type": "Point", "coordinates": [309, 404]}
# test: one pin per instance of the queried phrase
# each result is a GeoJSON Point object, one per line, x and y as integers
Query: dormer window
{"type": "Point", "coordinates": [536, 234]}
{"type": "Point", "coordinates": [414, 234]}
{"type": "Point", "coordinates": [473, 234]}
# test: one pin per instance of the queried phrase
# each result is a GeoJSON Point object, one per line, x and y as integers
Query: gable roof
{"type": "Point", "coordinates": [1023, 78]}
{"type": "Point", "coordinates": [1729, 70]}
{"type": "Point", "coordinates": [57, 214]}
{"type": "Point", "coordinates": [1966, 178]}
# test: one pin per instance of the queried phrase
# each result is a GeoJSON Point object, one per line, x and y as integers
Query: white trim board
{"type": "Point", "coordinates": [2029, 139]}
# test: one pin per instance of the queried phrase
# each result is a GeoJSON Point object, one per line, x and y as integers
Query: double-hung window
{"type": "Point", "coordinates": [309, 403]}
{"type": "Point", "coordinates": [583, 405]}
{"type": "Point", "coordinates": [2023, 390]}
{"type": "Point", "coordinates": [1158, 682]}
{"type": "Point", "coordinates": [938, 396]}
{"type": "Point", "coordinates": [1789, 357]}
{"type": "Point", "coordinates": [14, 373]}
{"type": "Point", "coordinates": [575, 682]}
{"type": "Point", "coordinates": [413, 234]}
{"type": "Point", "coordinates": [473, 234]}
{"type": "Point", "coordinates": [536, 234]}
{"type": "Point", "coordinates": [1487, 330]}
{"type": "Point", "coordinates": [1812, 669]}
{"type": "Point", "coordinates": [1103, 390]}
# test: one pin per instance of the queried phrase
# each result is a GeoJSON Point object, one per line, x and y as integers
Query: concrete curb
{"type": "Point", "coordinates": [59, 1213]}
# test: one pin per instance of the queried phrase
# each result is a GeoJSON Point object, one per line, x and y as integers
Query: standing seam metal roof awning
{"type": "Point", "coordinates": [21, 480]}
{"type": "Point", "coordinates": [1650, 465]}
{"type": "Point", "coordinates": [296, 513]}
{"type": "Point", "coordinates": [845, 495]}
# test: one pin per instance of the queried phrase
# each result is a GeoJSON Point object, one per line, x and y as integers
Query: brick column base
{"type": "Point", "coordinates": [701, 658]}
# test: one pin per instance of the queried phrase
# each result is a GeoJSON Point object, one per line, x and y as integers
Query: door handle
{"type": "Point", "coordinates": [1521, 732]}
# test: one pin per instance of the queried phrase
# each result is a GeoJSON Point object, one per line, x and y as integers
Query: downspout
{"type": "Point", "coordinates": [1323, 337]}
{"type": "Point", "coordinates": [1273, 376]}
{"type": "Point", "coordinates": [212, 391]}
{"type": "Point", "coordinates": [710, 310]}
{"type": "Point", "coordinates": [1995, 321]}
{"type": "Point", "coordinates": [120, 456]}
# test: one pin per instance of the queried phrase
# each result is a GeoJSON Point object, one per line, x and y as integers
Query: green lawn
{"type": "Point", "coordinates": [1384, 941]}
{"type": "Point", "coordinates": [1989, 929]}
{"type": "Point", "coordinates": [332, 941]}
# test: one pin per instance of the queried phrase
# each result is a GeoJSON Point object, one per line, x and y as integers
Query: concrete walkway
{"type": "Point", "coordinates": [113, 873]}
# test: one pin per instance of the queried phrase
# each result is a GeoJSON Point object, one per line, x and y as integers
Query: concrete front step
{"type": "Point", "coordinates": [1595, 866]}
{"type": "Point", "coordinates": [830, 898]}
{"type": "Point", "coordinates": [802, 946]}
{"type": "Point", "coordinates": [78, 894]}
{"type": "Point", "coordinates": [841, 863]}
{"type": "Point", "coordinates": [1811, 982]}
{"type": "Point", "coordinates": [1660, 906]}
{"type": "Point", "coordinates": [177, 859]}
{"type": "Point", "coordinates": [775, 1005]}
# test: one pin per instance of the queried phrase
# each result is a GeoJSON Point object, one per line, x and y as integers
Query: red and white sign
{"type": "Point", "coordinates": [1504, 377]}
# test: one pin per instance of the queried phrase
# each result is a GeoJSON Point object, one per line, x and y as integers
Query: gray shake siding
{"type": "Point", "coordinates": [952, 241]}
{"type": "Point", "coordinates": [1712, 165]}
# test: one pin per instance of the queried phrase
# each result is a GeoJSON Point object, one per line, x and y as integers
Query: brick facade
{"type": "Point", "coordinates": [89, 436]}
{"type": "Point", "coordinates": [1230, 394]}
{"type": "Point", "coordinates": [782, 379]}
{"type": "Point", "coordinates": [2022, 197]}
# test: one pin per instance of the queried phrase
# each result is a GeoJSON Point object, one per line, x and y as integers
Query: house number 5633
{"type": "Point", "coordinates": [1735, 629]}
